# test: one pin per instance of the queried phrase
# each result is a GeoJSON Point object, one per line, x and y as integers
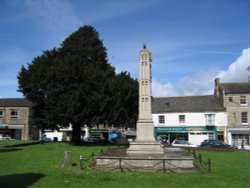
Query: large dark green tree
{"type": "Point", "coordinates": [76, 85]}
{"type": "Point", "coordinates": [125, 100]}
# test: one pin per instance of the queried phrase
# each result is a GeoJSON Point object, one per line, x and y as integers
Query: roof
{"type": "Point", "coordinates": [235, 88]}
{"type": "Point", "coordinates": [14, 102]}
{"type": "Point", "coordinates": [208, 103]}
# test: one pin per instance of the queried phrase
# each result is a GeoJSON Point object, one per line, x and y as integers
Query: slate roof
{"type": "Point", "coordinates": [235, 88]}
{"type": "Point", "coordinates": [14, 102]}
{"type": "Point", "coordinates": [208, 103]}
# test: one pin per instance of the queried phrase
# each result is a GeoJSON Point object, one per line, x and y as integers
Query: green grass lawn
{"type": "Point", "coordinates": [40, 166]}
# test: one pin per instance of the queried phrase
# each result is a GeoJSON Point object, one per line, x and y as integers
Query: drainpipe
{"type": "Point", "coordinates": [215, 133]}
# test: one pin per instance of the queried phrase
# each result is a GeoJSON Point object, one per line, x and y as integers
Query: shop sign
{"type": "Point", "coordinates": [180, 129]}
{"type": "Point", "coordinates": [221, 128]}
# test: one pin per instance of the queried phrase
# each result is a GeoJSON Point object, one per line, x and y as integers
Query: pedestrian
{"type": "Point", "coordinates": [242, 145]}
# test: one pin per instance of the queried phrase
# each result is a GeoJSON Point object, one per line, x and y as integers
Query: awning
{"type": "Point", "coordinates": [2, 126]}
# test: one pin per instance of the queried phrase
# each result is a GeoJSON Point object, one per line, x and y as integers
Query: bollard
{"type": "Point", "coordinates": [81, 160]}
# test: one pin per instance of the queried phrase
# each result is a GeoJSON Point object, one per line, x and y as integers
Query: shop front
{"type": "Point", "coordinates": [193, 134]}
{"type": "Point", "coordinates": [99, 134]}
{"type": "Point", "coordinates": [239, 136]}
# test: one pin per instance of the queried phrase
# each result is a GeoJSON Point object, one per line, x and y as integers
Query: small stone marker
{"type": "Point", "coordinates": [67, 159]}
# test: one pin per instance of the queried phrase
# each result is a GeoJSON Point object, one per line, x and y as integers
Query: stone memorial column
{"type": "Point", "coordinates": [145, 141]}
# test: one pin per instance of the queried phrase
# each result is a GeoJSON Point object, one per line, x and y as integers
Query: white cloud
{"type": "Point", "coordinates": [237, 71]}
{"type": "Point", "coordinates": [203, 82]}
{"type": "Point", "coordinates": [162, 90]}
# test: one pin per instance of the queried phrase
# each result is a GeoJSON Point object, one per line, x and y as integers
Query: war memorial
{"type": "Point", "coordinates": [145, 153]}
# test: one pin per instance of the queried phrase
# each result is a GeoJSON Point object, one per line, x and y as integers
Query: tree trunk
{"type": "Point", "coordinates": [76, 135]}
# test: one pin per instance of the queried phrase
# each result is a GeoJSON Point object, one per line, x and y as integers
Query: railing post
{"type": "Point", "coordinates": [120, 164]}
{"type": "Point", "coordinates": [164, 166]}
{"type": "Point", "coordinates": [194, 154]}
{"type": "Point", "coordinates": [209, 165]}
{"type": "Point", "coordinates": [101, 151]}
{"type": "Point", "coordinates": [81, 159]}
{"type": "Point", "coordinates": [93, 156]}
{"type": "Point", "coordinates": [200, 159]}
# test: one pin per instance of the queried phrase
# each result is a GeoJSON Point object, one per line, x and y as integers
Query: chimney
{"type": "Point", "coordinates": [217, 87]}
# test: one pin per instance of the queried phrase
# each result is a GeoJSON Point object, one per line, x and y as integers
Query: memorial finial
{"type": "Point", "coordinates": [145, 45]}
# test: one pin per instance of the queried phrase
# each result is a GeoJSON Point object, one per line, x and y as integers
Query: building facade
{"type": "Point", "coordinates": [235, 97]}
{"type": "Point", "coordinates": [192, 118]}
{"type": "Point", "coordinates": [14, 118]}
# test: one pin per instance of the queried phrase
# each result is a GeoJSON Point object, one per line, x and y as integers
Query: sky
{"type": "Point", "coordinates": [192, 41]}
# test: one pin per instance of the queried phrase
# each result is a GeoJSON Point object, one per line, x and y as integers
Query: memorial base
{"type": "Point", "coordinates": [145, 147]}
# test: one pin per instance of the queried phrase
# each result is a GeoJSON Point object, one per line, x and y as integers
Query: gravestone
{"type": "Point", "coordinates": [67, 159]}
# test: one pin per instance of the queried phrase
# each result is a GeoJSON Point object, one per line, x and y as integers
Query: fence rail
{"type": "Point", "coordinates": [200, 162]}
{"type": "Point", "coordinates": [164, 165]}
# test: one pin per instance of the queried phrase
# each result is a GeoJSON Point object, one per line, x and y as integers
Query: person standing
{"type": "Point", "coordinates": [242, 144]}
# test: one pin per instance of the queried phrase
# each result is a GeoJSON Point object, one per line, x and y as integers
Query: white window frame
{"type": "Point", "coordinates": [210, 119]}
{"type": "Point", "coordinates": [14, 113]}
{"type": "Point", "coordinates": [182, 119]}
{"type": "Point", "coordinates": [245, 119]}
{"type": "Point", "coordinates": [243, 100]}
{"type": "Point", "coordinates": [161, 119]}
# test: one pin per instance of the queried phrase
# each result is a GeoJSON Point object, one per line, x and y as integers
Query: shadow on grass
{"type": "Point", "coordinates": [20, 180]}
{"type": "Point", "coordinates": [23, 144]}
{"type": "Point", "coordinates": [8, 150]}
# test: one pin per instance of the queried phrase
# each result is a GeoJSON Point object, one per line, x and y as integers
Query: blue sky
{"type": "Point", "coordinates": [192, 41]}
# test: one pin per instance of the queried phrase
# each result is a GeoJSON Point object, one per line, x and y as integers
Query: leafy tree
{"type": "Point", "coordinates": [76, 85]}
{"type": "Point", "coordinates": [125, 100]}
{"type": "Point", "coordinates": [33, 83]}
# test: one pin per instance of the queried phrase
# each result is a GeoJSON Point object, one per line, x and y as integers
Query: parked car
{"type": "Point", "coordinates": [90, 139]}
{"type": "Point", "coordinates": [5, 138]}
{"type": "Point", "coordinates": [215, 144]}
{"type": "Point", "coordinates": [182, 143]}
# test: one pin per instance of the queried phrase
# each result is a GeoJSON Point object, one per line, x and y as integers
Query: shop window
{"type": "Point", "coordinates": [211, 136]}
{"type": "Point", "coordinates": [161, 119]}
{"type": "Point", "coordinates": [13, 113]}
{"type": "Point", "coordinates": [1, 113]}
{"type": "Point", "coordinates": [244, 117]}
{"type": "Point", "coordinates": [210, 119]}
{"type": "Point", "coordinates": [182, 119]}
{"type": "Point", "coordinates": [237, 139]}
{"type": "Point", "coordinates": [243, 100]}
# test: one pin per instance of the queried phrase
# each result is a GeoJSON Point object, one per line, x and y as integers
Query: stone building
{"type": "Point", "coordinates": [14, 118]}
{"type": "Point", "coordinates": [235, 97]}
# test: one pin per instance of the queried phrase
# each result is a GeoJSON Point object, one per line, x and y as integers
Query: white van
{"type": "Point", "coordinates": [53, 137]}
